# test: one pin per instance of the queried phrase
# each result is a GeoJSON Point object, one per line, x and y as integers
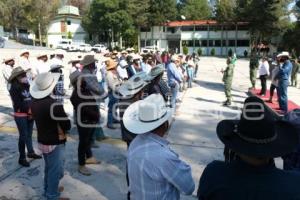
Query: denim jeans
{"type": "Point", "coordinates": [111, 108]}
{"type": "Point", "coordinates": [54, 172]}
{"type": "Point", "coordinates": [85, 141]}
{"type": "Point", "coordinates": [283, 98]}
{"type": "Point", "coordinates": [174, 91]}
{"type": "Point", "coordinates": [25, 127]}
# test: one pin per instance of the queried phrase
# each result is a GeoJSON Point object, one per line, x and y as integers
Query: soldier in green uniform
{"type": "Point", "coordinates": [296, 68]}
{"type": "Point", "coordinates": [228, 76]}
{"type": "Point", "coordinates": [254, 63]}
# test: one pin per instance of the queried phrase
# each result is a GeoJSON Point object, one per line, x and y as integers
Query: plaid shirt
{"type": "Point", "coordinates": [59, 90]}
{"type": "Point", "coordinates": [155, 171]}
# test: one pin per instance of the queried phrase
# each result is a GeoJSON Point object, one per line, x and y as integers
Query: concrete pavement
{"type": "Point", "coordinates": [192, 136]}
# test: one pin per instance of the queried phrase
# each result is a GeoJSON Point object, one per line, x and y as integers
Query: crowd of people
{"type": "Point", "coordinates": [38, 90]}
{"type": "Point", "coordinates": [142, 94]}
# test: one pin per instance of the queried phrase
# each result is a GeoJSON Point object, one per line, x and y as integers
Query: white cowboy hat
{"type": "Point", "coordinates": [146, 115]}
{"type": "Point", "coordinates": [136, 57]}
{"type": "Point", "coordinates": [23, 51]}
{"type": "Point", "coordinates": [284, 53]}
{"type": "Point", "coordinates": [43, 85]}
{"type": "Point", "coordinates": [156, 71]}
{"type": "Point", "coordinates": [59, 52]}
{"type": "Point", "coordinates": [131, 87]}
{"type": "Point", "coordinates": [5, 60]}
{"type": "Point", "coordinates": [174, 58]}
{"type": "Point", "coordinates": [55, 66]}
{"type": "Point", "coordinates": [40, 55]}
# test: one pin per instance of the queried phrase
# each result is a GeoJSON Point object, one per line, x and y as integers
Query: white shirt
{"type": "Point", "coordinates": [122, 72]}
{"type": "Point", "coordinates": [6, 71]}
{"type": "Point", "coordinates": [42, 67]}
{"type": "Point", "coordinates": [264, 68]}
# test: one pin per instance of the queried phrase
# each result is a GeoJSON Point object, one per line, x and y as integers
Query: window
{"type": "Point", "coordinates": [197, 43]}
{"type": "Point", "coordinates": [187, 28]}
{"type": "Point", "coordinates": [145, 29]}
{"type": "Point", "coordinates": [217, 43]}
{"type": "Point", "coordinates": [243, 43]}
{"type": "Point", "coordinates": [224, 43]}
{"type": "Point", "coordinates": [142, 43]}
{"type": "Point", "coordinates": [215, 28]}
{"type": "Point", "coordinates": [188, 43]}
{"type": "Point", "coordinates": [171, 29]}
{"type": "Point", "coordinates": [204, 43]}
{"type": "Point", "coordinates": [211, 43]}
{"type": "Point", "coordinates": [201, 28]}
{"type": "Point", "coordinates": [69, 22]}
{"type": "Point", "coordinates": [231, 43]}
{"type": "Point", "coordinates": [243, 27]}
{"type": "Point", "coordinates": [148, 43]}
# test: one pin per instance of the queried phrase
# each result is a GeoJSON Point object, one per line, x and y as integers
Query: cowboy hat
{"type": "Point", "coordinates": [17, 72]}
{"type": "Point", "coordinates": [257, 133]}
{"type": "Point", "coordinates": [75, 59]}
{"type": "Point", "coordinates": [143, 75]}
{"type": "Point", "coordinates": [115, 52]}
{"type": "Point", "coordinates": [111, 64]}
{"type": "Point", "coordinates": [136, 57]}
{"type": "Point", "coordinates": [174, 58]}
{"type": "Point", "coordinates": [283, 54]}
{"type": "Point", "coordinates": [87, 60]}
{"type": "Point", "coordinates": [59, 52]}
{"type": "Point", "coordinates": [6, 60]}
{"type": "Point", "coordinates": [23, 51]}
{"type": "Point", "coordinates": [156, 71]}
{"type": "Point", "coordinates": [146, 115]}
{"type": "Point", "coordinates": [131, 87]}
{"type": "Point", "coordinates": [124, 52]}
{"type": "Point", "coordinates": [55, 66]}
{"type": "Point", "coordinates": [43, 85]}
{"type": "Point", "coordinates": [40, 55]}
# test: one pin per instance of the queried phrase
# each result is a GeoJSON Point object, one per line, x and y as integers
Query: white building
{"type": "Point", "coordinates": [66, 23]}
{"type": "Point", "coordinates": [204, 34]}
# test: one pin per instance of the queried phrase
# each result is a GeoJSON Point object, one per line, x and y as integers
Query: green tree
{"type": "Point", "coordinates": [195, 9]}
{"type": "Point", "coordinates": [162, 11]}
{"type": "Point", "coordinates": [185, 50]}
{"type": "Point", "coordinates": [225, 11]}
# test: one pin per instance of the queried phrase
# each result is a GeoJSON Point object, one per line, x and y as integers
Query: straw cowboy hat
{"type": "Point", "coordinates": [17, 72]}
{"type": "Point", "coordinates": [87, 60]}
{"type": "Point", "coordinates": [124, 52]}
{"type": "Point", "coordinates": [283, 54]}
{"type": "Point", "coordinates": [146, 115]}
{"type": "Point", "coordinates": [43, 85]}
{"type": "Point", "coordinates": [6, 60]}
{"type": "Point", "coordinates": [156, 71]}
{"type": "Point", "coordinates": [111, 64]}
{"type": "Point", "coordinates": [23, 51]}
{"type": "Point", "coordinates": [257, 133]}
{"type": "Point", "coordinates": [131, 87]}
{"type": "Point", "coordinates": [115, 52]}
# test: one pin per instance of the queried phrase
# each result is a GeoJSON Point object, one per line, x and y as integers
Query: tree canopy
{"type": "Point", "coordinates": [195, 9]}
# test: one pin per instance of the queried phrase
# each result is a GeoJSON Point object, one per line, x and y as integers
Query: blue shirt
{"type": "Point", "coordinates": [239, 180]}
{"type": "Point", "coordinates": [155, 171]}
{"type": "Point", "coordinates": [285, 71]}
{"type": "Point", "coordinates": [174, 75]}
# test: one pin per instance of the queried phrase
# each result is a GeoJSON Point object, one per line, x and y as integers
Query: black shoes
{"type": "Point", "coordinates": [24, 163]}
{"type": "Point", "coordinates": [34, 156]}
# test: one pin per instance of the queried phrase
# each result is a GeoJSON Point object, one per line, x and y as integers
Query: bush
{"type": "Point", "coordinates": [246, 53]}
{"type": "Point", "coordinates": [230, 52]}
{"type": "Point", "coordinates": [199, 51]}
{"type": "Point", "coordinates": [70, 35]}
{"type": "Point", "coordinates": [213, 52]}
{"type": "Point", "coordinates": [185, 50]}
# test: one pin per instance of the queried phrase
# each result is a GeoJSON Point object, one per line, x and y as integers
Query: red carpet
{"type": "Point", "coordinates": [274, 106]}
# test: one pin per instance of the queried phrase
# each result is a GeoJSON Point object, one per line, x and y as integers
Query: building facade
{"type": "Point", "coordinates": [66, 25]}
{"type": "Point", "coordinates": [201, 34]}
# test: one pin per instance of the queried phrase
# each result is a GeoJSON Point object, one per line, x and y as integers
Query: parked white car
{"type": "Point", "coordinates": [99, 48]}
{"type": "Point", "coordinates": [64, 44]}
{"type": "Point", "coordinates": [85, 47]}
{"type": "Point", "coordinates": [150, 49]}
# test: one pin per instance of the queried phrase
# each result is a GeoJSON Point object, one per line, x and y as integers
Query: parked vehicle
{"type": "Point", "coordinates": [85, 47]}
{"type": "Point", "coordinates": [65, 44]}
{"type": "Point", "coordinates": [150, 49]}
{"type": "Point", "coordinates": [99, 48]}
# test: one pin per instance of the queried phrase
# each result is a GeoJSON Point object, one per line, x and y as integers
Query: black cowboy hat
{"type": "Point", "coordinates": [257, 133]}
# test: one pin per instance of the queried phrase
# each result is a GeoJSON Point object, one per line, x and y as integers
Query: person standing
{"type": "Point", "coordinates": [59, 91]}
{"type": "Point", "coordinates": [254, 64]}
{"type": "Point", "coordinates": [274, 83]}
{"type": "Point", "coordinates": [263, 75]}
{"type": "Point", "coordinates": [113, 80]}
{"type": "Point", "coordinates": [228, 76]}
{"type": "Point", "coordinates": [8, 66]}
{"type": "Point", "coordinates": [52, 124]}
{"type": "Point", "coordinates": [42, 65]}
{"type": "Point", "coordinates": [154, 170]}
{"type": "Point", "coordinates": [295, 71]}
{"type": "Point", "coordinates": [84, 100]}
{"type": "Point", "coordinates": [21, 99]}
{"type": "Point", "coordinates": [174, 78]}
{"type": "Point", "coordinates": [283, 75]}
{"type": "Point", "coordinates": [25, 63]}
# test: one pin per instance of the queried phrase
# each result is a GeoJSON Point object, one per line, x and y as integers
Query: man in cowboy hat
{"type": "Point", "coordinates": [122, 71]}
{"type": "Point", "coordinates": [123, 55]}
{"type": "Point", "coordinates": [155, 171]}
{"type": "Point", "coordinates": [57, 57]}
{"type": "Point", "coordinates": [256, 139]}
{"type": "Point", "coordinates": [25, 63]}
{"type": "Point", "coordinates": [174, 78]}
{"type": "Point", "coordinates": [52, 124]}
{"type": "Point", "coordinates": [113, 80]}
{"type": "Point", "coordinates": [42, 66]}
{"type": "Point", "coordinates": [59, 90]}
{"type": "Point", "coordinates": [86, 91]}
{"type": "Point", "coordinates": [7, 69]}
{"type": "Point", "coordinates": [283, 76]}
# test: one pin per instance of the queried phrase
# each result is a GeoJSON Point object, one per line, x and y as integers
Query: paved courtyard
{"type": "Point", "coordinates": [192, 136]}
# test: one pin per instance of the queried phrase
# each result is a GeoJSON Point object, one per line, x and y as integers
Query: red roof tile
{"type": "Point", "coordinates": [195, 22]}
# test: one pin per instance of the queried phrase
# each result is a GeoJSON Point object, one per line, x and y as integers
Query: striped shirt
{"type": "Point", "coordinates": [155, 171]}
